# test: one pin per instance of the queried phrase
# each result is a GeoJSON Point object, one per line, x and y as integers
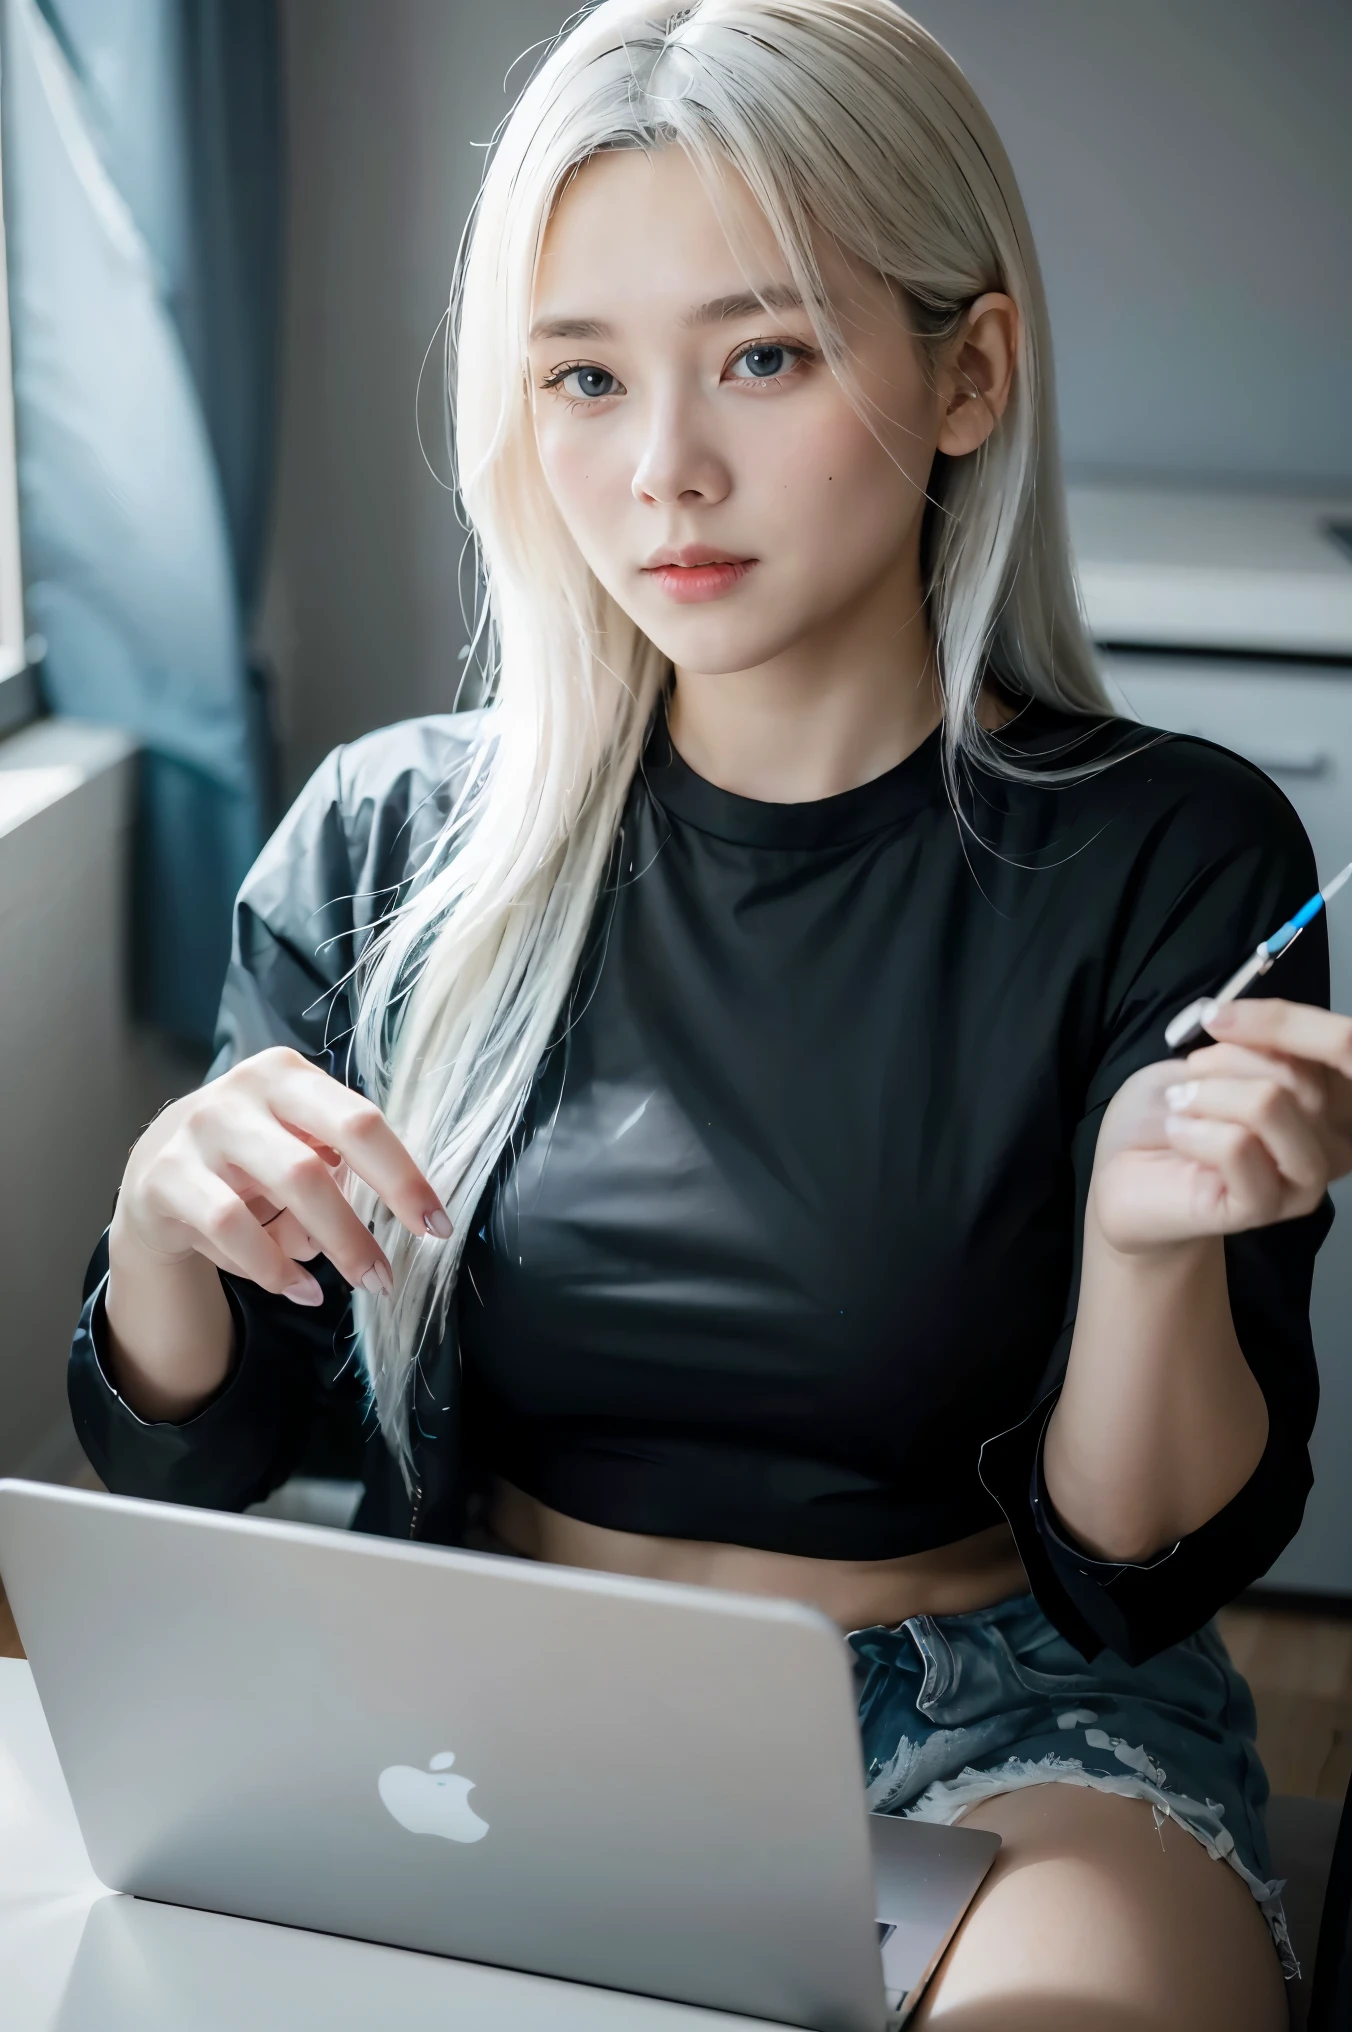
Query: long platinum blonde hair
{"type": "Point", "coordinates": [844, 117]}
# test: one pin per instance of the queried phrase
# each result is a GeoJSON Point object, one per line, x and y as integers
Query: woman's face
{"type": "Point", "coordinates": [678, 421]}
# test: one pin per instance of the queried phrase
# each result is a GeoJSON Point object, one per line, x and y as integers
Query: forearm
{"type": "Point", "coordinates": [171, 1333]}
{"type": "Point", "coordinates": [1161, 1421]}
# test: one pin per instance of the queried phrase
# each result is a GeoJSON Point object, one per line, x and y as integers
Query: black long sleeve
{"type": "Point", "coordinates": [1183, 936]}
{"type": "Point", "coordinates": [333, 868]}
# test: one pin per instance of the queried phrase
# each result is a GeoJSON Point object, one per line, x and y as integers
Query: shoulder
{"type": "Point", "coordinates": [1204, 788]}
{"type": "Point", "coordinates": [375, 805]}
{"type": "Point", "coordinates": [414, 766]}
{"type": "Point", "coordinates": [1197, 808]}
{"type": "Point", "coordinates": [432, 751]}
{"type": "Point", "coordinates": [359, 830]}
{"type": "Point", "coordinates": [364, 824]}
{"type": "Point", "coordinates": [1166, 797]}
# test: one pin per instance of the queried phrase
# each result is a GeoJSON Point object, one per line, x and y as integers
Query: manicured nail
{"type": "Point", "coordinates": [1182, 1096]}
{"type": "Point", "coordinates": [438, 1224]}
{"type": "Point", "coordinates": [378, 1281]}
{"type": "Point", "coordinates": [1214, 1015]}
{"type": "Point", "coordinates": [304, 1291]}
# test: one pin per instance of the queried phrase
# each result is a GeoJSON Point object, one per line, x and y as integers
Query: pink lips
{"type": "Point", "coordinates": [699, 578]}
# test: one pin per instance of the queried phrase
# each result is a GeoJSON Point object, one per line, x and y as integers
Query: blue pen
{"type": "Point", "coordinates": [1186, 1029]}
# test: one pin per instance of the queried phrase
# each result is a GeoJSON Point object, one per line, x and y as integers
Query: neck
{"type": "Point", "coordinates": [835, 708]}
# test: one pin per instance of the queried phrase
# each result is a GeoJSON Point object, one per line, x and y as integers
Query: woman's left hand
{"type": "Point", "coordinates": [1244, 1132]}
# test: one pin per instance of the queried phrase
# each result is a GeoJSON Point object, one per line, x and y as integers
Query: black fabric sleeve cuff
{"type": "Point", "coordinates": [1006, 1465]}
{"type": "Point", "coordinates": [230, 1453]}
{"type": "Point", "coordinates": [1138, 1610]}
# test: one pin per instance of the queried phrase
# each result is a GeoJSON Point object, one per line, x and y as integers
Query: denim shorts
{"type": "Point", "coordinates": [955, 1709]}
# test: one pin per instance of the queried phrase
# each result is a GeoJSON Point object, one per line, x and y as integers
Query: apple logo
{"type": "Point", "coordinates": [429, 1802]}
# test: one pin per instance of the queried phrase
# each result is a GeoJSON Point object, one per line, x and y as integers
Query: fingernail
{"type": "Point", "coordinates": [304, 1291]}
{"type": "Point", "coordinates": [1182, 1096]}
{"type": "Point", "coordinates": [438, 1224]}
{"type": "Point", "coordinates": [1212, 1014]}
{"type": "Point", "coordinates": [1174, 1123]}
{"type": "Point", "coordinates": [378, 1281]}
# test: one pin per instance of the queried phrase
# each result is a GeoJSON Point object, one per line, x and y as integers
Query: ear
{"type": "Point", "coordinates": [977, 374]}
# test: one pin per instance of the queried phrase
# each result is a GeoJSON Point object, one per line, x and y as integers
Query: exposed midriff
{"type": "Point", "coordinates": [855, 1593]}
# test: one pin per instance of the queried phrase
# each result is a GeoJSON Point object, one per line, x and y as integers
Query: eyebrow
{"type": "Point", "coordinates": [720, 310]}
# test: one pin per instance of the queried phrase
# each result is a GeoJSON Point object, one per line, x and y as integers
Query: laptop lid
{"type": "Point", "coordinates": [647, 1787]}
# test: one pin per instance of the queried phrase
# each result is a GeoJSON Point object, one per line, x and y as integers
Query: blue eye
{"type": "Point", "coordinates": [592, 382]}
{"type": "Point", "coordinates": [763, 363]}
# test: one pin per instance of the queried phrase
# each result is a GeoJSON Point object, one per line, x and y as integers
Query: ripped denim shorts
{"type": "Point", "coordinates": [955, 1709]}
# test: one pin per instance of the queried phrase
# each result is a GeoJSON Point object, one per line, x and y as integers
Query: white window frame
{"type": "Point", "coordinates": [18, 700]}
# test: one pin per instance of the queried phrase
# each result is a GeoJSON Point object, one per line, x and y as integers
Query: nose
{"type": "Point", "coordinates": [678, 460]}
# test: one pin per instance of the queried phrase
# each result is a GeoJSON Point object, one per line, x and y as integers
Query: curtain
{"type": "Point", "coordinates": [142, 146]}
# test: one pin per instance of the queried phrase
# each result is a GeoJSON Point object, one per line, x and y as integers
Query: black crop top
{"type": "Point", "coordinates": [789, 1228]}
{"type": "Point", "coordinates": [784, 1250]}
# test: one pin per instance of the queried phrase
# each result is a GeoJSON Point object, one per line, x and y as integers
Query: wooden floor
{"type": "Point", "coordinates": [10, 1647]}
{"type": "Point", "coordinates": [1299, 1666]}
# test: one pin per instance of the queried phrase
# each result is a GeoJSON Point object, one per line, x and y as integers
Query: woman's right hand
{"type": "Point", "coordinates": [248, 1171]}
{"type": "Point", "coordinates": [246, 1175]}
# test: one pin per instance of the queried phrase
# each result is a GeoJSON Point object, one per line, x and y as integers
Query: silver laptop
{"type": "Point", "coordinates": [646, 1787]}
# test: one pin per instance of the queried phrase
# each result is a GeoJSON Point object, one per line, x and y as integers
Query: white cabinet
{"type": "Point", "coordinates": [1295, 721]}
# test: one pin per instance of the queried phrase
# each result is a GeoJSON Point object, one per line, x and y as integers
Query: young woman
{"type": "Point", "coordinates": [724, 1077]}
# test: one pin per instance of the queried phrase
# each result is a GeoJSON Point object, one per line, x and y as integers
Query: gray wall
{"type": "Point", "coordinates": [80, 1082]}
{"type": "Point", "coordinates": [389, 103]}
{"type": "Point", "coordinates": [1187, 165]}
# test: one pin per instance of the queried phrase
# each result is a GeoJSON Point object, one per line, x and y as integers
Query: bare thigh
{"type": "Point", "coordinates": [1091, 1920]}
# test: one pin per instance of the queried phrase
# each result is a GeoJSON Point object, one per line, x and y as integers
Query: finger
{"type": "Point", "coordinates": [255, 1151]}
{"type": "Point", "coordinates": [227, 1234]}
{"type": "Point", "coordinates": [288, 1233]}
{"type": "Point", "coordinates": [1298, 1028]}
{"type": "Point", "coordinates": [1237, 1061]}
{"type": "Point", "coordinates": [1255, 1193]}
{"type": "Point", "coordinates": [1269, 1111]}
{"type": "Point", "coordinates": [332, 1157]}
{"type": "Point", "coordinates": [1154, 1196]}
{"type": "Point", "coordinates": [304, 1099]}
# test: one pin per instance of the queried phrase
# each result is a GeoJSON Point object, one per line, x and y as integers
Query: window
{"type": "Point", "coordinates": [17, 691]}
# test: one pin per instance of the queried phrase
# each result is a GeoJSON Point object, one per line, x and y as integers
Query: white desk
{"type": "Point", "coordinates": [75, 1957]}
